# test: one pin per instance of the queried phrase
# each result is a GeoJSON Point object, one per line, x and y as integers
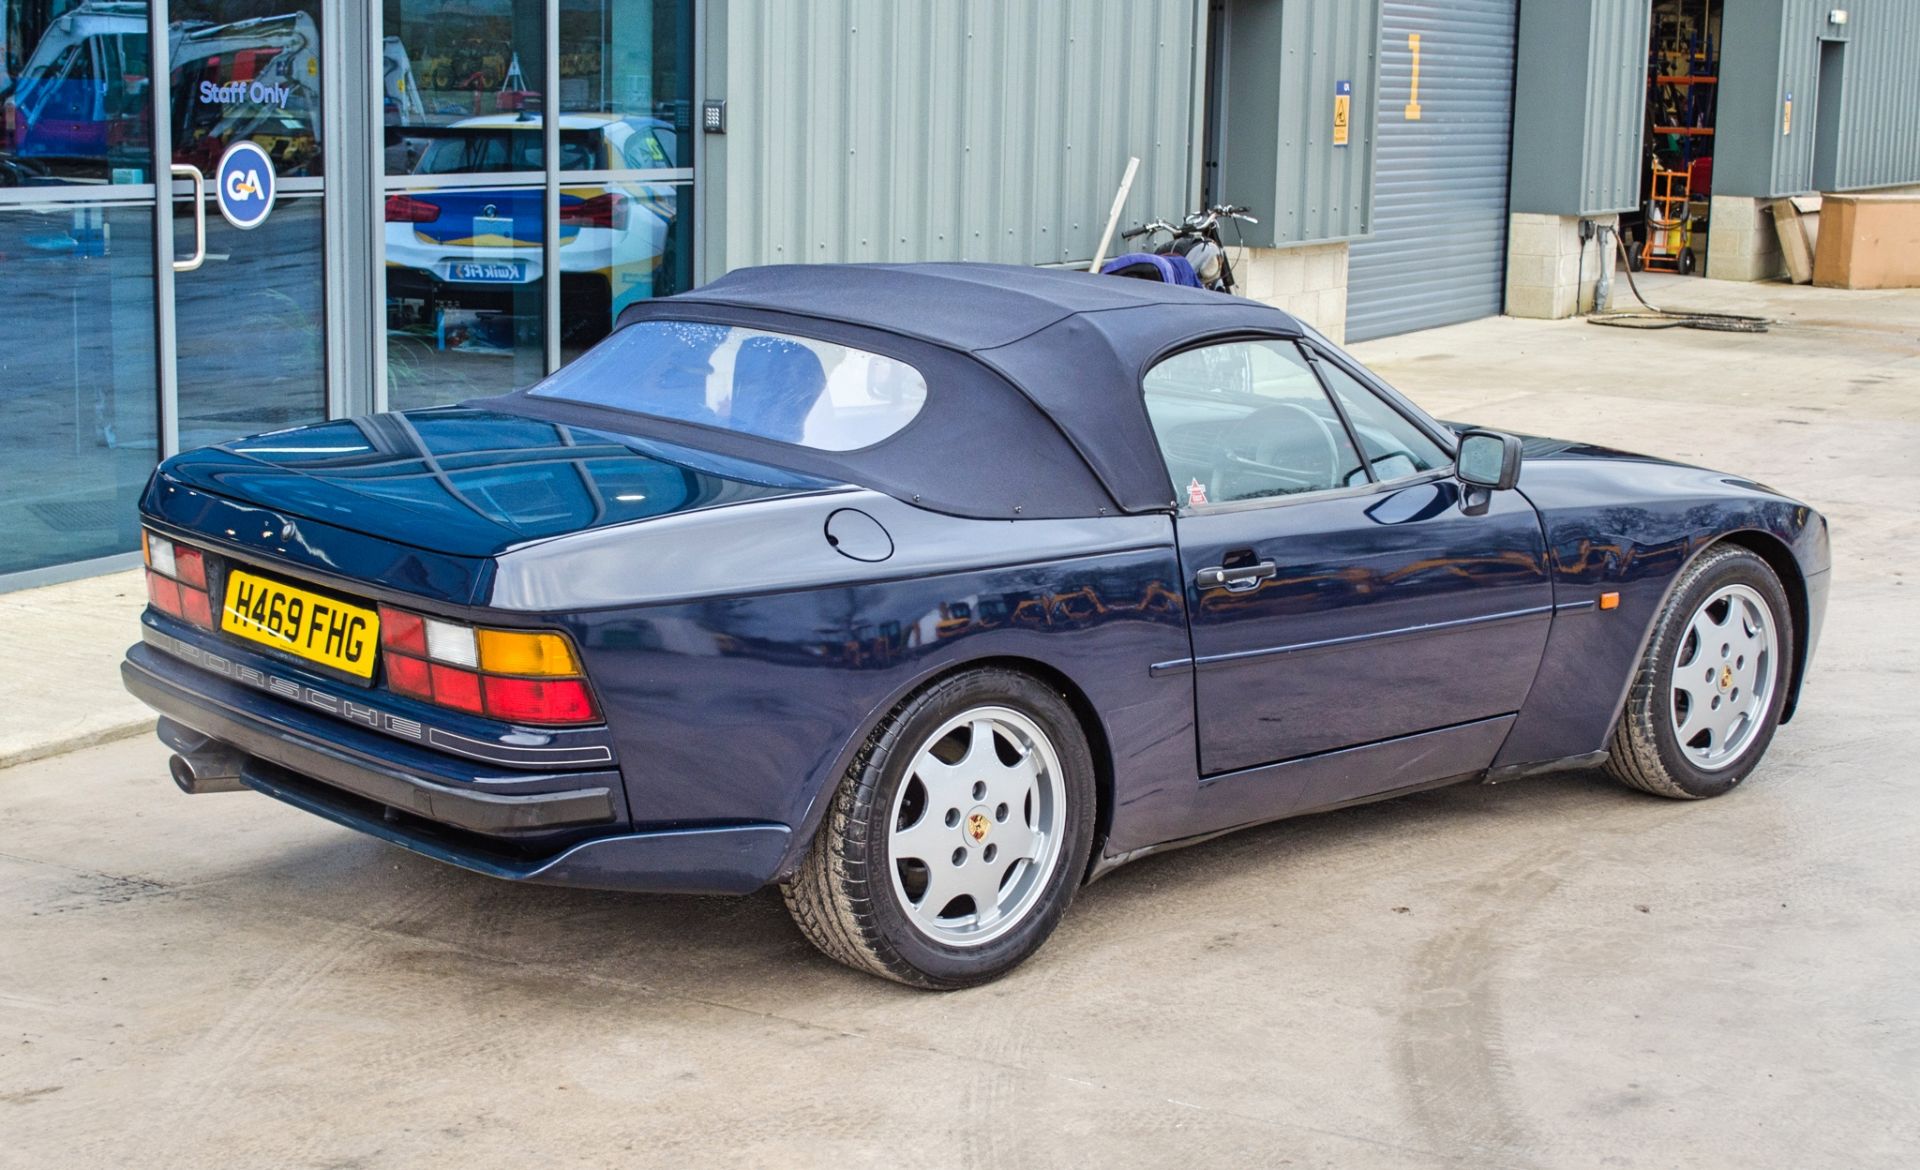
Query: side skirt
{"type": "Point", "coordinates": [1331, 780]}
{"type": "Point", "coordinates": [1543, 767]}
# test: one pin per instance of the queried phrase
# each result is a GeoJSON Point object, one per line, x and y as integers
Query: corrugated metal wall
{"type": "Point", "coordinates": [1772, 49]}
{"type": "Point", "coordinates": [1581, 89]}
{"type": "Point", "coordinates": [1880, 106]}
{"type": "Point", "coordinates": [1799, 65]}
{"type": "Point", "coordinates": [1438, 250]}
{"type": "Point", "coordinates": [948, 129]}
{"type": "Point", "coordinates": [1284, 59]}
{"type": "Point", "coordinates": [1615, 106]}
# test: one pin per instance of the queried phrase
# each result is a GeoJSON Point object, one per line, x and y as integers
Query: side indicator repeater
{"type": "Point", "coordinates": [1609, 601]}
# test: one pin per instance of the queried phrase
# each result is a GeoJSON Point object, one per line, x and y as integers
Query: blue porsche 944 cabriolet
{"type": "Point", "coordinates": [931, 592]}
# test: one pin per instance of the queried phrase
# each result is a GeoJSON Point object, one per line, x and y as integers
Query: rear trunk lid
{"type": "Point", "coordinates": [459, 481]}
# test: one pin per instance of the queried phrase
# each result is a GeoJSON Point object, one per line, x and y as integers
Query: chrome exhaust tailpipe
{"type": "Point", "coordinates": [210, 771]}
{"type": "Point", "coordinates": [201, 764]}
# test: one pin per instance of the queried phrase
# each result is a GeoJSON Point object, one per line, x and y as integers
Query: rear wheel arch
{"type": "Point", "coordinates": [853, 897]}
{"type": "Point", "coordinates": [1091, 726]}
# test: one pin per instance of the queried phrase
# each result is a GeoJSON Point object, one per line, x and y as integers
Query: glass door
{"type": "Point", "coordinates": [248, 303]}
{"type": "Point", "coordinates": [78, 360]}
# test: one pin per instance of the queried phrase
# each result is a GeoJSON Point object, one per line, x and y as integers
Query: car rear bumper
{"type": "Point", "coordinates": [560, 828]}
{"type": "Point", "coordinates": [729, 859]}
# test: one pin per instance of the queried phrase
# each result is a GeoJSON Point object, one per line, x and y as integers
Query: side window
{"type": "Point", "coordinates": [1247, 420]}
{"type": "Point", "coordinates": [1394, 445]}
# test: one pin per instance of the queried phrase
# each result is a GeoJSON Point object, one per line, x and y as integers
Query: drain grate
{"type": "Point", "coordinates": [85, 515]}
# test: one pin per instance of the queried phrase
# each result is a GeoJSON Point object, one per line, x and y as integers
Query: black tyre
{"type": "Point", "coordinates": [1707, 697]}
{"type": "Point", "coordinates": [956, 839]}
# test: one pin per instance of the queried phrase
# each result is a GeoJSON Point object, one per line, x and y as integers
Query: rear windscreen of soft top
{"type": "Point", "coordinates": [799, 390]}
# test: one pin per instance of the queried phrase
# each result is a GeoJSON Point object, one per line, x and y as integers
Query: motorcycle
{"type": "Point", "coordinates": [1189, 253]}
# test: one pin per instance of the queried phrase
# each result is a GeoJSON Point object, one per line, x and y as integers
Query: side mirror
{"type": "Point", "coordinates": [1488, 459]}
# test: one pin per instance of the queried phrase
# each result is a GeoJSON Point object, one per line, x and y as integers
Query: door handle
{"type": "Point", "coordinates": [1237, 579]}
{"type": "Point", "coordinates": [192, 174]}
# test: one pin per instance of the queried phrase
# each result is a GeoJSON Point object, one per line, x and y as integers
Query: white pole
{"type": "Point", "coordinates": [1113, 217]}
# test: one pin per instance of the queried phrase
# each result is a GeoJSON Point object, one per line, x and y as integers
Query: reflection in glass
{"type": "Point", "coordinates": [465, 293]}
{"type": "Point", "coordinates": [631, 57]}
{"type": "Point", "coordinates": [751, 381]}
{"type": "Point", "coordinates": [74, 93]}
{"type": "Point", "coordinates": [252, 354]}
{"type": "Point", "coordinates": [77, 379]}
{"type": "Point", "coordinates": [619, 243]}
{"type": "Point", "coordinates": [455, 63]}
{"type": "Point", "coordinates": [540, 478]}
{"type": "Point", "coordinates": [247, 69]}
{"type": "Point", "coordinates": [76, 87]}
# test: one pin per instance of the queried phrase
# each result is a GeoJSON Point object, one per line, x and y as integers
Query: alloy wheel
{"type": "Point", "coordinates": [976, 826]}
{"type": "Point", "coordinates": [1723, 677]}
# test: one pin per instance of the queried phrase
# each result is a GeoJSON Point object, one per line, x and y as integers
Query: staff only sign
{"type": "Point", "coordinates": [244, 185]}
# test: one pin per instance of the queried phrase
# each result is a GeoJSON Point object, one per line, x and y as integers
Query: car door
{"type": "Point", "coordinates": [1336, 601]}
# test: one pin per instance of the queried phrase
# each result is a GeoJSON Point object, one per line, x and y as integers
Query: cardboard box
{"type": "Point", "coordinates": [1869, 241]}
{"type": "Point", "coordinates": [1798, 221]}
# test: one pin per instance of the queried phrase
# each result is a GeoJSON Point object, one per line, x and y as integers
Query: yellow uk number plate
{"type": "Point", "coordinates": [309, 625]}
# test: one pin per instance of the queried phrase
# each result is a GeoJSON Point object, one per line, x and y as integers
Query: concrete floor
{"type": "Point", "coordinates": [1550, 973]}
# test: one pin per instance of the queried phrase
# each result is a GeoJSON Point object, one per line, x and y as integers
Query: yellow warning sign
{"type": "Point", "coordinates": [1413, 98]}
{"type": "Point", "coordinates": [1342, 111]}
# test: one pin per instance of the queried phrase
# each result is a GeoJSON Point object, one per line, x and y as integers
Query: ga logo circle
{"type": "Point", "coordinates": [244, 184]}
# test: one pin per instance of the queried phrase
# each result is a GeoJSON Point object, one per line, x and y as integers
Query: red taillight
{"type": "Point", "coordinates": [403, 631]}
{"type": "Point", "coordinates": [602, 211]}
{"type": "Point", "coordinates": [196, 607]}
{"type": "Point", "coordinates": [407, 209]}
{"type": "Point", "coordinates": [164, 593]}
{"type": "Point", "coordinates": [177, 580]}
{"type": "Point", "coordinates": [520, 676]}
{"type": "Point", "coordinates": [409, 676]}
{"type": "Point", "coordinates": [538, 700]}
{"type": "Point", "coordinates": [456, 688]}
{"type": "Point", "coordinates": [190, 566]}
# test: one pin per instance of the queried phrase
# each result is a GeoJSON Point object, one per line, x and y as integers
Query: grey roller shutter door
{"type": "Point", "coordinates": [1437, 254]}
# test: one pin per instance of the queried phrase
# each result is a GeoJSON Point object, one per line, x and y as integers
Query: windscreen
{"type": "Point", "coordinates": [771, 385]}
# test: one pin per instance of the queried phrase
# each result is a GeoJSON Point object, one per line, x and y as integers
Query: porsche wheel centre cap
{"type": "Point", "coordinates": [978, 824]}
{"type": "Point", "coordinates": [1726, 677]}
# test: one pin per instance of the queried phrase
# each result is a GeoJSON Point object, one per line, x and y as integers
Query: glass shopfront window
{"type": "Point", "coordinates": [78, 373]}
{"type": "Point", "coordinates": [460, 65]}
{"type": "Point", "coordinates": [469, 254]}
{"type": "Point", "coordinates": [75, 100]}
{"type": "Point", "coordinates": [466, 292]}
{"type": "Point", "coordinates": [77, 379]}
{"type": "Point", "coordinates": [504, 252]}
{"type": "Point", "coordinates": [631, 58]}
{"type": "Point", "coordinates": [465, 205]}
{"type": "Point", "coordinates": [247, 70]}
{"type": "Point", "coordinates": [633, 242]}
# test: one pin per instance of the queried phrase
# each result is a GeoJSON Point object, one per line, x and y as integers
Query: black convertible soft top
{"type": "Point", "coordinates": [1034, 406]}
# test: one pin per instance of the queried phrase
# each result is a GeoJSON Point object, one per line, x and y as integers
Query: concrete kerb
{"type": "Point", "coordinates": [66, 642]}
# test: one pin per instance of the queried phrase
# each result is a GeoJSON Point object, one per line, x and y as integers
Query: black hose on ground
{"type": "Point", "coordinates": [1658, 318]}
